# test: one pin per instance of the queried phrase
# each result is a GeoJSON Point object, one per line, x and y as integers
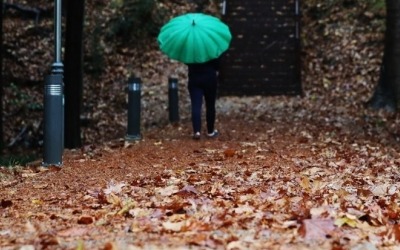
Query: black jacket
{"type": "Point", "coordinates": [207, 70]}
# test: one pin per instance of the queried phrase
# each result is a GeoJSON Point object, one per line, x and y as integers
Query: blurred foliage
{"type": "Point", "coordinates": [136, 20]}
{"type": "Point", "coordinates": [320, 9]}
{"type": "Point", "coordinates": [16, 160]}
{"type": "Point", "coordinates": [94, 59]}
{"type": "Point", "coordinates": [377, 4]}
{"type": "Point", "coordinates": [21, 99]}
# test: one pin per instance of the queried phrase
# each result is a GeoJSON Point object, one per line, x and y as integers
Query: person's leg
{"type": "Point", "coordinates": [196, 99]}
{"type": "Point", "coordinates": [210, 96]}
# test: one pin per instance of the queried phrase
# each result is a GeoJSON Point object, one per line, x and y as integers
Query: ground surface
{"type": "Point", "coordinates": [286, 173]}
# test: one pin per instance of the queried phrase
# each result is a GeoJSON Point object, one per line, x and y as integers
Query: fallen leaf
{"type": "Point", "coordinates": [229, 152]}
{"type": "Point", "coordinates": [188, 189]}
{"type": "Point", "coordinates": [316, 229]}
{"type": "Point", "coordinates": [173, 226]}
{"type": "Point", "coordinates": [126, 207]}
{"type": "Point", "coordinates": [396, 232]}
{"type": "Point", "coordinates": [30, 227]}
{"type": "Point", "coordinates": [305, 183]}
{"type": "Point", "coordinates": [27, 247]}
{"type": "Point", "coordinates": [41, 186]}
{"type": "Point", "coordinates": [6, 203]}
{"type": "Point", "coordinates": [74, 232]}
{"type": "Point", "coordinates": [81, 245]}
{"type": "Point", "coordinates": [85, 220]}
{"type": "Point", "coordinates": [113, 187]}
{"type": "Point", "coordinates": [110, 246]}
{"type": "Point", "coordinates": [167, 191]}
{"type": "Point", "coordinates": [237, 245]}
{"type": "Point", "coordinates": [351, 222]}
{"type": "Point", "coordinates": [113, 199]}
{"type": "Point", "coordinates": [37, 201]}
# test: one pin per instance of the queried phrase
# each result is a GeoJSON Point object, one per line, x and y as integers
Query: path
{"type": "Point", "coordinates": [284, 174]}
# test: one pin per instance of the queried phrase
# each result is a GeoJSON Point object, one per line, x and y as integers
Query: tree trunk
{"type": "Point", "coordinates": [387, 93]}
{"type": "Point", "coordinates": [73, 71]}
{"type": "Point", "coordinates": [1, 78]}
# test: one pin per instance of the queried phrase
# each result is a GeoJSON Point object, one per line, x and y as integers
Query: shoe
{"type": "Point", "coordinates": [214, 134]}
{"type": "Point", "coordinates": [196, 136]}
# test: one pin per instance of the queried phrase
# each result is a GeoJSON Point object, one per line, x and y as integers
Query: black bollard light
{"type": "Point", "coordinates": [53, 120]}
{"type": "Point", "coordinates": [134, 109]}
{"type": "Point", "coordinates": [53, 103]}
{"type": "Point", "coordinates": [173, 100]}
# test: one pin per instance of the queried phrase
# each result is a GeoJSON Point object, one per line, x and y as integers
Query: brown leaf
{"type": "Point", "coordinates": [47, 240]}
{"type": "Point", "coordinates": [110, 246]}
{"type": "Point", "coordinates": [195, 225]}
{"type": "Point", "coordinates": [229, 152]}
{"type": "Point", "coordinates": [6, 203]}
{"type": "Point", "coordinates": [198, 239]}
{"type": "Point", "coordinates": [396, 232]}
{"type": "Point", "coordinates": [85, 220]}
{"type": "Point", "coordinates": [188, 189]}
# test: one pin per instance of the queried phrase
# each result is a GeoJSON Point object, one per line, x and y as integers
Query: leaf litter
{"type": "Point", "coordinates": [234, 192]}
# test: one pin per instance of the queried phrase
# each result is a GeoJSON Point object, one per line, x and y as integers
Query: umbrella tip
{"type": "Point", "coordinates": [193, 23]}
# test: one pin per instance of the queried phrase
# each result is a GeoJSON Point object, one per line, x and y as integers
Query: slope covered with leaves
{"type": "Point", "coordinates": [313, 172]}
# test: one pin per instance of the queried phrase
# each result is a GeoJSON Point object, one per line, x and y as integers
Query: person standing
{"type": "Point", "coordinates": [202, 83]}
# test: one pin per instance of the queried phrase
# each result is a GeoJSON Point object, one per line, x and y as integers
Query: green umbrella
{"type": "Point", "coordinates": [194, 38]}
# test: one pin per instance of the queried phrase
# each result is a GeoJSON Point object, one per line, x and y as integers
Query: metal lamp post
{"type": "Point", "coordinates": [53, 141]}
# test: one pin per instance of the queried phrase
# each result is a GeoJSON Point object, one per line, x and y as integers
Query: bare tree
{"type": "Point", "coordinates": [387, 92]}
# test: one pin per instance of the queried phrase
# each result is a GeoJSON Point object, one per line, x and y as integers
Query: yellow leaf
{"type": "Point", "coordinates": [305, 183]}
{"type": "Point", "coordinates": [80, 245]}
{"type": "Point", "coordinates": [345, 221]}
{"type": "Point", "coordinates": [114, 200]}
{"type": "Point", "coordinates": [125, 209]}
{"type": "Point", "coordinates": [37, 201]}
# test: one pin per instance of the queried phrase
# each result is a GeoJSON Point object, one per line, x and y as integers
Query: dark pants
{"type": "Point", "coordinates": [204, 85]}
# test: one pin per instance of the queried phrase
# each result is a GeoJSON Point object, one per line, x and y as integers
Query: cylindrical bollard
{"type": "Point", "coordinates": [134, 109]}
{"type": "Point", "coordinates": [53, 120]}
{"type": "Point", "coordinates": [173, 100]}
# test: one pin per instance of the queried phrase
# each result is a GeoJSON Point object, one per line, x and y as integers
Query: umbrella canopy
{"type": "Point", "coordinates": [194, 38]}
